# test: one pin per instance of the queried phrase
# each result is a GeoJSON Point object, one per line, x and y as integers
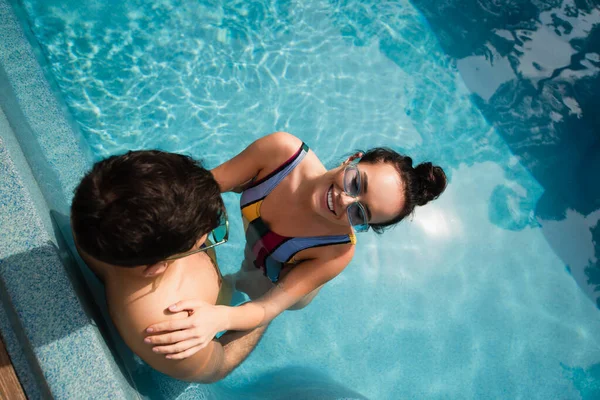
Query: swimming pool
{"type": "Point", "coordinates": [487, 293]}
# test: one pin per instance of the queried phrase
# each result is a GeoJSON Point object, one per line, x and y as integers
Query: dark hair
{"type": "Point", "coordinates": [143, 206]}
{"type": "Point", "coordinates": [422, 184]}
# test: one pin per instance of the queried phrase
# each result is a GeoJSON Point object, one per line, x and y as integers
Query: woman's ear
{"type": "Point", "coordinates": [353, 157]}
{"type": "Point", "coordinates": [155, 269]}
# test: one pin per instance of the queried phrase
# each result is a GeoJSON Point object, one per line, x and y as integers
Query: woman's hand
{"type": "Point", "coordinates": [182, 338]}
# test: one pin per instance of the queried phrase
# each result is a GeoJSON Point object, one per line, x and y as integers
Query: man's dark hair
{"type": "Point", "coordinates": [143, 206]}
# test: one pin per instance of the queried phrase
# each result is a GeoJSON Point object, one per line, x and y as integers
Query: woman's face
{"type": "Point", "coordinates": [380, 192]}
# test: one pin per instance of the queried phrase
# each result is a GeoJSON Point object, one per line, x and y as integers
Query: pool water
{"type": "Point", "coordinates": [489, 292]}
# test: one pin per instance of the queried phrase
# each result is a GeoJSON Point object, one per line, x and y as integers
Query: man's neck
{"type": "Point", "coordinates": [129, 279]}
{"type": "Point", "coordinates": [133, 277]}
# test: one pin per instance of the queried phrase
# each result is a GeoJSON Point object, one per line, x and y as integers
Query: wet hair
{"type": "Point", "coordinates": [422, 184]}
{"type": "Point", "coordinates": [144, 206]}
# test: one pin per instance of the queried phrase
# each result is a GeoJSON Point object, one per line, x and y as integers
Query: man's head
{"type": "Point", "coordinates": [142, 207]}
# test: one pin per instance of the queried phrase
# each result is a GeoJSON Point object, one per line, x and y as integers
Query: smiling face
{"type": "Point", "coordinates": [381, 193]}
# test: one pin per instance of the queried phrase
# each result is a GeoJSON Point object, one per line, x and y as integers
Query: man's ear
{"type": "Point", "coordinates": [200, 241]}
{"type": "Point", "coordinates": [155, 269]}
{"type": "Point", "coordinates": [353, 157]}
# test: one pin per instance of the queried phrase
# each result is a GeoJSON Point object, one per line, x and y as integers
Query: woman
{"type": "Point", "coordinates": [300, 222]}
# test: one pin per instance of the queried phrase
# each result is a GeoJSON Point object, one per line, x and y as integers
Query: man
{"type": "Point", "coordinates": [141, 222]}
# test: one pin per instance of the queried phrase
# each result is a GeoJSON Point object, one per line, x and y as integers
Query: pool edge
{"type": "Point", "coordinates": [49, 358]}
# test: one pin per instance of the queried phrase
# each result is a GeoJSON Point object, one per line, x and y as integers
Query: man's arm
{"type": "Point", "coordinates": [237, 345]}
{"type": "Point", "coordinates": [222, 356]}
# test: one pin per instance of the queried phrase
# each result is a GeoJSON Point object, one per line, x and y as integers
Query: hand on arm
{"type": "Point", "coordinates": [204, 362]}
{"type": "Point", "coordinates": [182, 338]}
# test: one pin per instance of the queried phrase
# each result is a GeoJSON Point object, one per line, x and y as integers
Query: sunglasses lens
{"type": "Point", "coordinates": [351, 181]}
{"type": "Point", "coordinates": [357, 218]}
{"type": "Point", "coordinates": [220, 232]}
{"type": "Point", "coordinates": [361, 228]}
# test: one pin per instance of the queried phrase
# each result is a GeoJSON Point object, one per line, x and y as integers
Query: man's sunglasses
{"type": "Point", "coordinates": [217, 236]}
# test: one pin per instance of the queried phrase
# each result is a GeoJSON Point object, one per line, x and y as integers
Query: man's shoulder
{"type": "Point", "coordinates": [132, 324]}
{"type": "Point", "coordinates": [195, 278]}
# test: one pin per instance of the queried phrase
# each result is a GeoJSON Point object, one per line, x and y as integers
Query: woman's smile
{"type": "Point", "coordinates": [329, 200]}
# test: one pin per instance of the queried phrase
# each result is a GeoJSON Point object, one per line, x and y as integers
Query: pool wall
{"type": "Point", "coordinates": [48, 323]}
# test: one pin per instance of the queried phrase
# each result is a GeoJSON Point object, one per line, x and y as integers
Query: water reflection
{"type": "Point", "coordinates": [533, 69]}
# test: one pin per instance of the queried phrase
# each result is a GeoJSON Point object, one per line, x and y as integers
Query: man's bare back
{"type": "Point", "coordinates": [135, 303]}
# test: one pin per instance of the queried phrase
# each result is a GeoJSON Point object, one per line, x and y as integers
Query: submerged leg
{"type": "Point", "coordinates": [251, 280]}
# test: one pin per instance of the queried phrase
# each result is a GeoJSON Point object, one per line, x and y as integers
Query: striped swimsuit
{"type": "Point", "coordinates": [269, 250]}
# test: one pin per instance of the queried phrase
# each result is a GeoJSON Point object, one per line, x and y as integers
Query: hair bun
{"type": "Point", "coordinates": [432, 182]}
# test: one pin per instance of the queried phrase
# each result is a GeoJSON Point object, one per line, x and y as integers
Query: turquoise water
{"type": "Point", "coordinates": [487, 292]}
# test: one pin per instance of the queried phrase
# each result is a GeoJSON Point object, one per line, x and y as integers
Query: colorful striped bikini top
{"type": "Point", "coordinates": [272, 251]}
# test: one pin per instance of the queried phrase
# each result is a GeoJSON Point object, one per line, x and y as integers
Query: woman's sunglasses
{"type": "Point", "coordinates": [353, 188]}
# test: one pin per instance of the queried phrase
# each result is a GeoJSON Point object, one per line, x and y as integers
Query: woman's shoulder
{"type": "Point", "coordinates": [274, 150]}
{"type": "Point", "coordinates": [282, 142]}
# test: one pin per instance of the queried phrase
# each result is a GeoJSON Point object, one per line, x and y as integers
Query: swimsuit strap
{"type": "Point", "coordinates": [290, 248]}
{"type": "Point", "coordinates": [261, 188]}
{"type": "Point", "coordinates": [272, 255]}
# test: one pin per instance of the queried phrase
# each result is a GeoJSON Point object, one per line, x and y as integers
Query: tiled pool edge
{"type": "Point", "coordinates": [42, 314]}
{"type": "Point", "coordinates": [21, 356]}
{"type": "Point", "coordinates": [46, 319]}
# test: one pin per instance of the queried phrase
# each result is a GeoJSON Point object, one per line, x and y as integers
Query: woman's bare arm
{"type": "Point", "coordinates": [300, 281]}
{"type": "Point", "coordinates": [247, 165]}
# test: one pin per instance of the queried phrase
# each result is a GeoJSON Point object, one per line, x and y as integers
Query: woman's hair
{"type": "Point", "coordinates": [143, 206]}
{"type": "Point", "coordinates": [423, 183]}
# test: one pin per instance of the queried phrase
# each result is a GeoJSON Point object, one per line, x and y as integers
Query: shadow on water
{"type": "Point", "coordinates": [533, 71]}
{"type": "Point", "coordinates": [293, 383]}
{"type": "Point", "coordinates": [585, 380]}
